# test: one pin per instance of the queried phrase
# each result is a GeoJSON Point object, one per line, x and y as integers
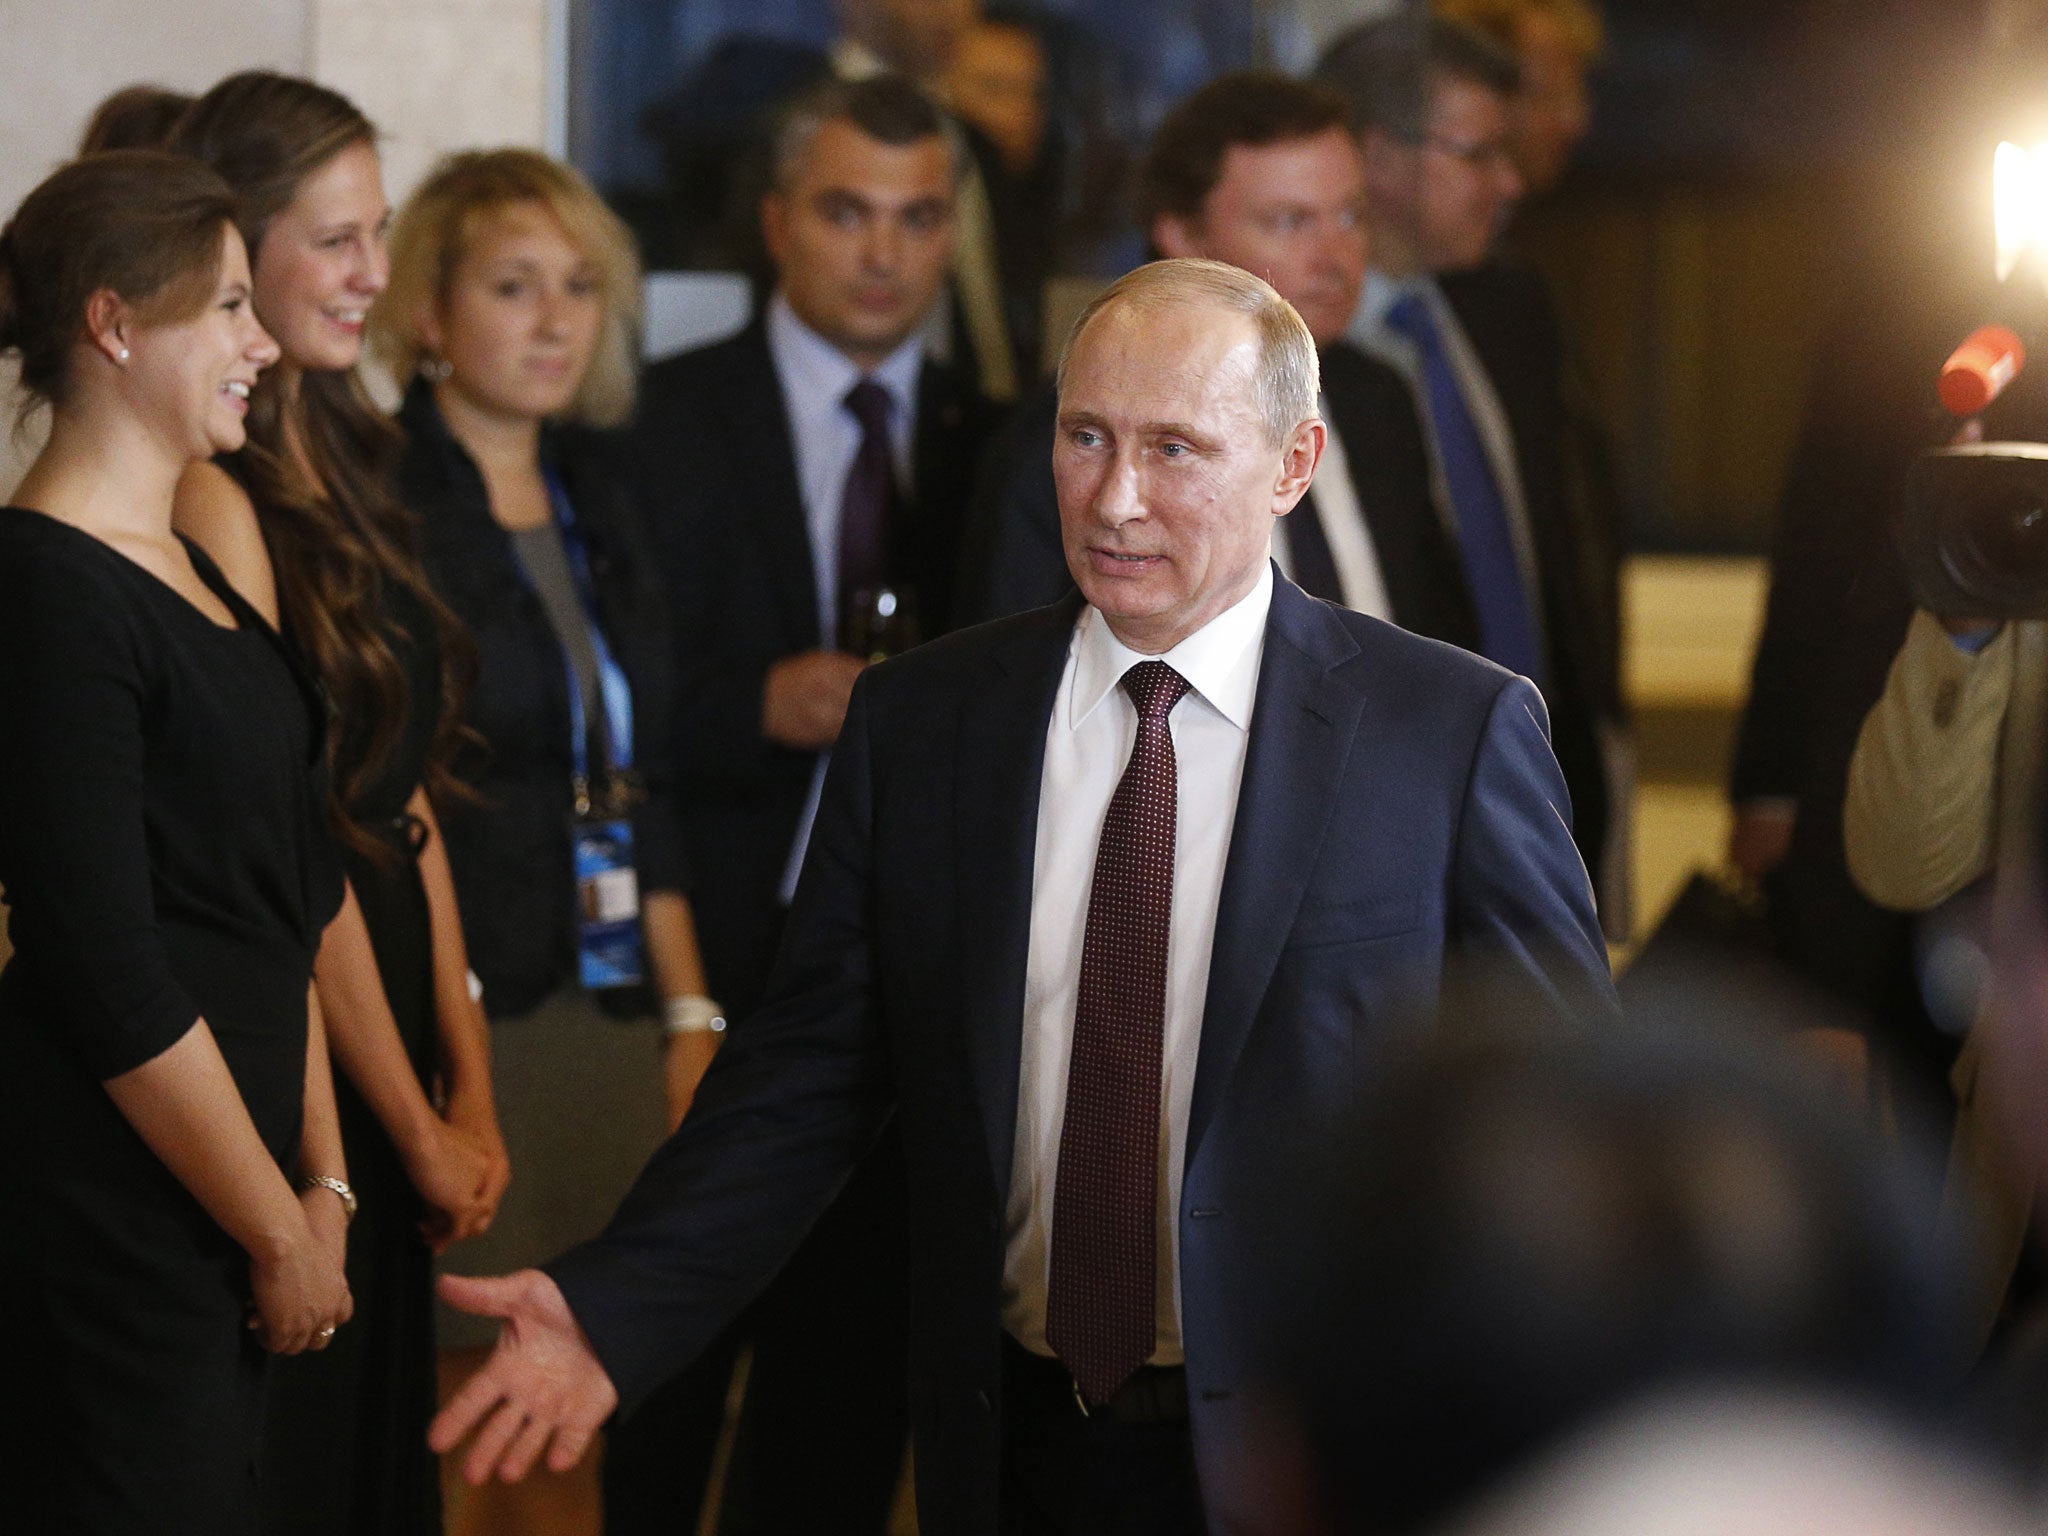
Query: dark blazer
{"type": "Point", "coordinates": [1837, 615]}
{"type": "Point", "coordinates": [713, 470]}
{"type": "Point", "coordinates": [1014, 560]}
{"type": "Point", "coordinates": [1511, 321]}
{"type": "Point", "coordinates": [514, 873]}
{"type": "Point", "coordinates": [1400, 811]}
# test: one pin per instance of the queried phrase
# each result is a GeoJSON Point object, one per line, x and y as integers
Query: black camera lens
{"type": "Point", "coordinates": [2008, 536]}
{"type": "Point", "coordinates": [1975, 531]}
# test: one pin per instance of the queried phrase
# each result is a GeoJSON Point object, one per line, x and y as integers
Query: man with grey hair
{"type": "Point", "coordinates": [1113, 907]}
{"type": "Point", "coordinates": [1478, 340]}
{"type": "Point", "coordinates": [798, 479]}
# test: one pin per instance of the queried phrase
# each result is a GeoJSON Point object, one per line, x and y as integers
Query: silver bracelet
{"type": "Point", "coordinates": [693, 1015]}
{"type": "Point", "coordinates": [325, 1181]}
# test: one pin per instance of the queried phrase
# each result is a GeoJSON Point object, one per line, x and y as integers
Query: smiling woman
{"type": "Point", "coordinates": [161, 1065]}
{"type": "Point", "coordinates": [305, 521]}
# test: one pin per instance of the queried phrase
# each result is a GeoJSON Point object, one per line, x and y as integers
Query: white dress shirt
{"type": "Point", "coordinates": [815, 377]}
{"type": "Point", "coordinates": [1359, 577]}
{"type": "Point", "coordinates": [1088, 745]}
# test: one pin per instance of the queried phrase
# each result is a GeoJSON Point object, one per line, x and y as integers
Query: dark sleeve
{"type": "Point", "coordinates": [1801, 613]}
{"type": "Point", "coordinates": [796, 1097]}
{"type": "Point", "coordinates": [1012, 557]}
{"type": "Point", "coordinates": [718, 686]}
{"type": "Point", "coordinates": [1522, 921]}
{"type": "Point", "coordinates": [658, 855]}
{"type": "Point", "coordinates": [1837, 608]}
{"type": "Point", "coordinates": [74, 848]}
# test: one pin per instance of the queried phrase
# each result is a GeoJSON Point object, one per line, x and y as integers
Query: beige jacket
{"type": "Point", "coordinates": [1943, 779]}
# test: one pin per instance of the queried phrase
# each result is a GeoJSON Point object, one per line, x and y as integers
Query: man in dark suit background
{"type": "Point", "coordinates": [1477, 340]}
{"type": "Point", "coordinates": [1261, 171]}
{"type": "Point", "coordinates": [1114, 906]}
{"type": "Point", "coordinates": [790, 475]}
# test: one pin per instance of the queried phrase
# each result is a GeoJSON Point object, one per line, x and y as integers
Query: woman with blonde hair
{"type": "Point", "coordinates": [305, 522]}
{"type": "Point", "coordinates": [512, 307]}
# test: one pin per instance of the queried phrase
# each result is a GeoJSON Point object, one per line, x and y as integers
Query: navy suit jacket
{"type": "Point", "coordinates": [1400, 809]}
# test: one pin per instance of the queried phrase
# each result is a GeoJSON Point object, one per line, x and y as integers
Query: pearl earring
{"type": "Point", "coordinates": [123, 354]}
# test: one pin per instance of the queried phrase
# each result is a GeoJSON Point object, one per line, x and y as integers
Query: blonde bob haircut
{"type": "Point", "coordinates": [434, 230]}
{"type": "Point", "coordinates": [1288, 379]}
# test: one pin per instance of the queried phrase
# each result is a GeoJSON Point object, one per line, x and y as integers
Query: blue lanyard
{"type": "Point", "coordinates": [618, 693]}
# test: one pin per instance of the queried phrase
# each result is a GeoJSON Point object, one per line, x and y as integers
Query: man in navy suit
{"type": "Point", "coordinates": [1115, 906]}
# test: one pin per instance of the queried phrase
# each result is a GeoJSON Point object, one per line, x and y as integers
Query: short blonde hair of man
{"type": "Point", "coordinates": [434, 230]}
{"type": "Point", "coordinates": [1289, 379]}
{"type": "Point", "coordinates": [1579, 20]}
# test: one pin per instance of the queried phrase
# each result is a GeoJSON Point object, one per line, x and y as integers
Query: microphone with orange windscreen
{"type": "Point", "coordinates": [1978, 371]}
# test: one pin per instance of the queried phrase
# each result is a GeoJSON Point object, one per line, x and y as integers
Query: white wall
{"type": "Point", "coordinates": [62, 57]}
{"type": "Point", "coordinates": [434, 75]}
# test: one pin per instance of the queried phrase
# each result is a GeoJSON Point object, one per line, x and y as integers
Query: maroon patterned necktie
{"type": "Point", "coordinates": [1099, 1315]}
{"type": "Point", "coordinates": [867, 502]}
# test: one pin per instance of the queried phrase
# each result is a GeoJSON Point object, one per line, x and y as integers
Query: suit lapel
{"type": "Point", "coordinates": [1303, 723]}
{"type": "Point", "coordinates": [1001, 753]}
{"type": "Point", "coordinates": [757, 425]}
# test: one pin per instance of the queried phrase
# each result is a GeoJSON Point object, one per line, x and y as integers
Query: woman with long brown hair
{"type": "Point", "coordinates": [305, 522]}
{"type": "Point", "coordinates": [162, 1073]}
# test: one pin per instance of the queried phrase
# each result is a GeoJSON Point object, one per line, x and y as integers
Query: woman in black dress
{"type": "Point", "coordinates": [511, 306]}
{"type": "Point", "coordinates": [305, 523]}
{"type": "Point", "coordinates": [163, 850]}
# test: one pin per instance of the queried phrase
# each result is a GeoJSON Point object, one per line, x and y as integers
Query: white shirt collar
{"type": "Point", "coordinates": [1220, 660]}
{"type": "Point", "coordinates": [1383, 291]}
{"type": "Point", "coordinates": [813, 369]}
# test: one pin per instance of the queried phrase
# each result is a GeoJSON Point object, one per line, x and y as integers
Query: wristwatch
{"type": "Point", "coordinates": [693, 1015]}
{"type": "Point", "coordinates": [326, 1181]}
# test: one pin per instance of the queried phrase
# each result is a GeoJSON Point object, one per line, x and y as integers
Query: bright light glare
{"type": "Point", "coordinates": [2019, 180]}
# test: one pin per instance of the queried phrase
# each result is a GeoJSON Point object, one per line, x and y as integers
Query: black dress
{"type": "Point", "coordinates": [345, 1438]}
{"type": "Point", "coordinates": [164, 853]}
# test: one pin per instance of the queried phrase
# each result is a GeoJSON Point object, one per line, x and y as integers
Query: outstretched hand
{"type": "Point", "coordinates": [543, 1388]}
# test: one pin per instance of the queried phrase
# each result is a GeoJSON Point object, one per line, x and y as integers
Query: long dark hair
{"type": "Point", "coordinates": [336, 539]}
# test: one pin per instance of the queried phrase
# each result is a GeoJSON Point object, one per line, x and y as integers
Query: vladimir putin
{"type": "Point", "coordinates": [1115, 906]}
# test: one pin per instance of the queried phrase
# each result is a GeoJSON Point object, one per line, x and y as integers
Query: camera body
{"type": "Point", "coordinates": [1974, 533]}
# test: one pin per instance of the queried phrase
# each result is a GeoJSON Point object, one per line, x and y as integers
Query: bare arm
{"type": "Point", "coordinates": [465, 1034]}
{"type": "Point", "coordinates": [184, 1104]}
{"type": "Point", "coordinates": [216, 514]}
{"type": "Point", "coordinates": [678, 972]}
{"type": "Point", "coordinates": [446, 1168]}
{"type": "Point", "coordinates": [320, 1151]}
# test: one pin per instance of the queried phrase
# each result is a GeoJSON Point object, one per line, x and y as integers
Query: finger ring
{"type": "Point", "coordinates": [327, 1332]}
